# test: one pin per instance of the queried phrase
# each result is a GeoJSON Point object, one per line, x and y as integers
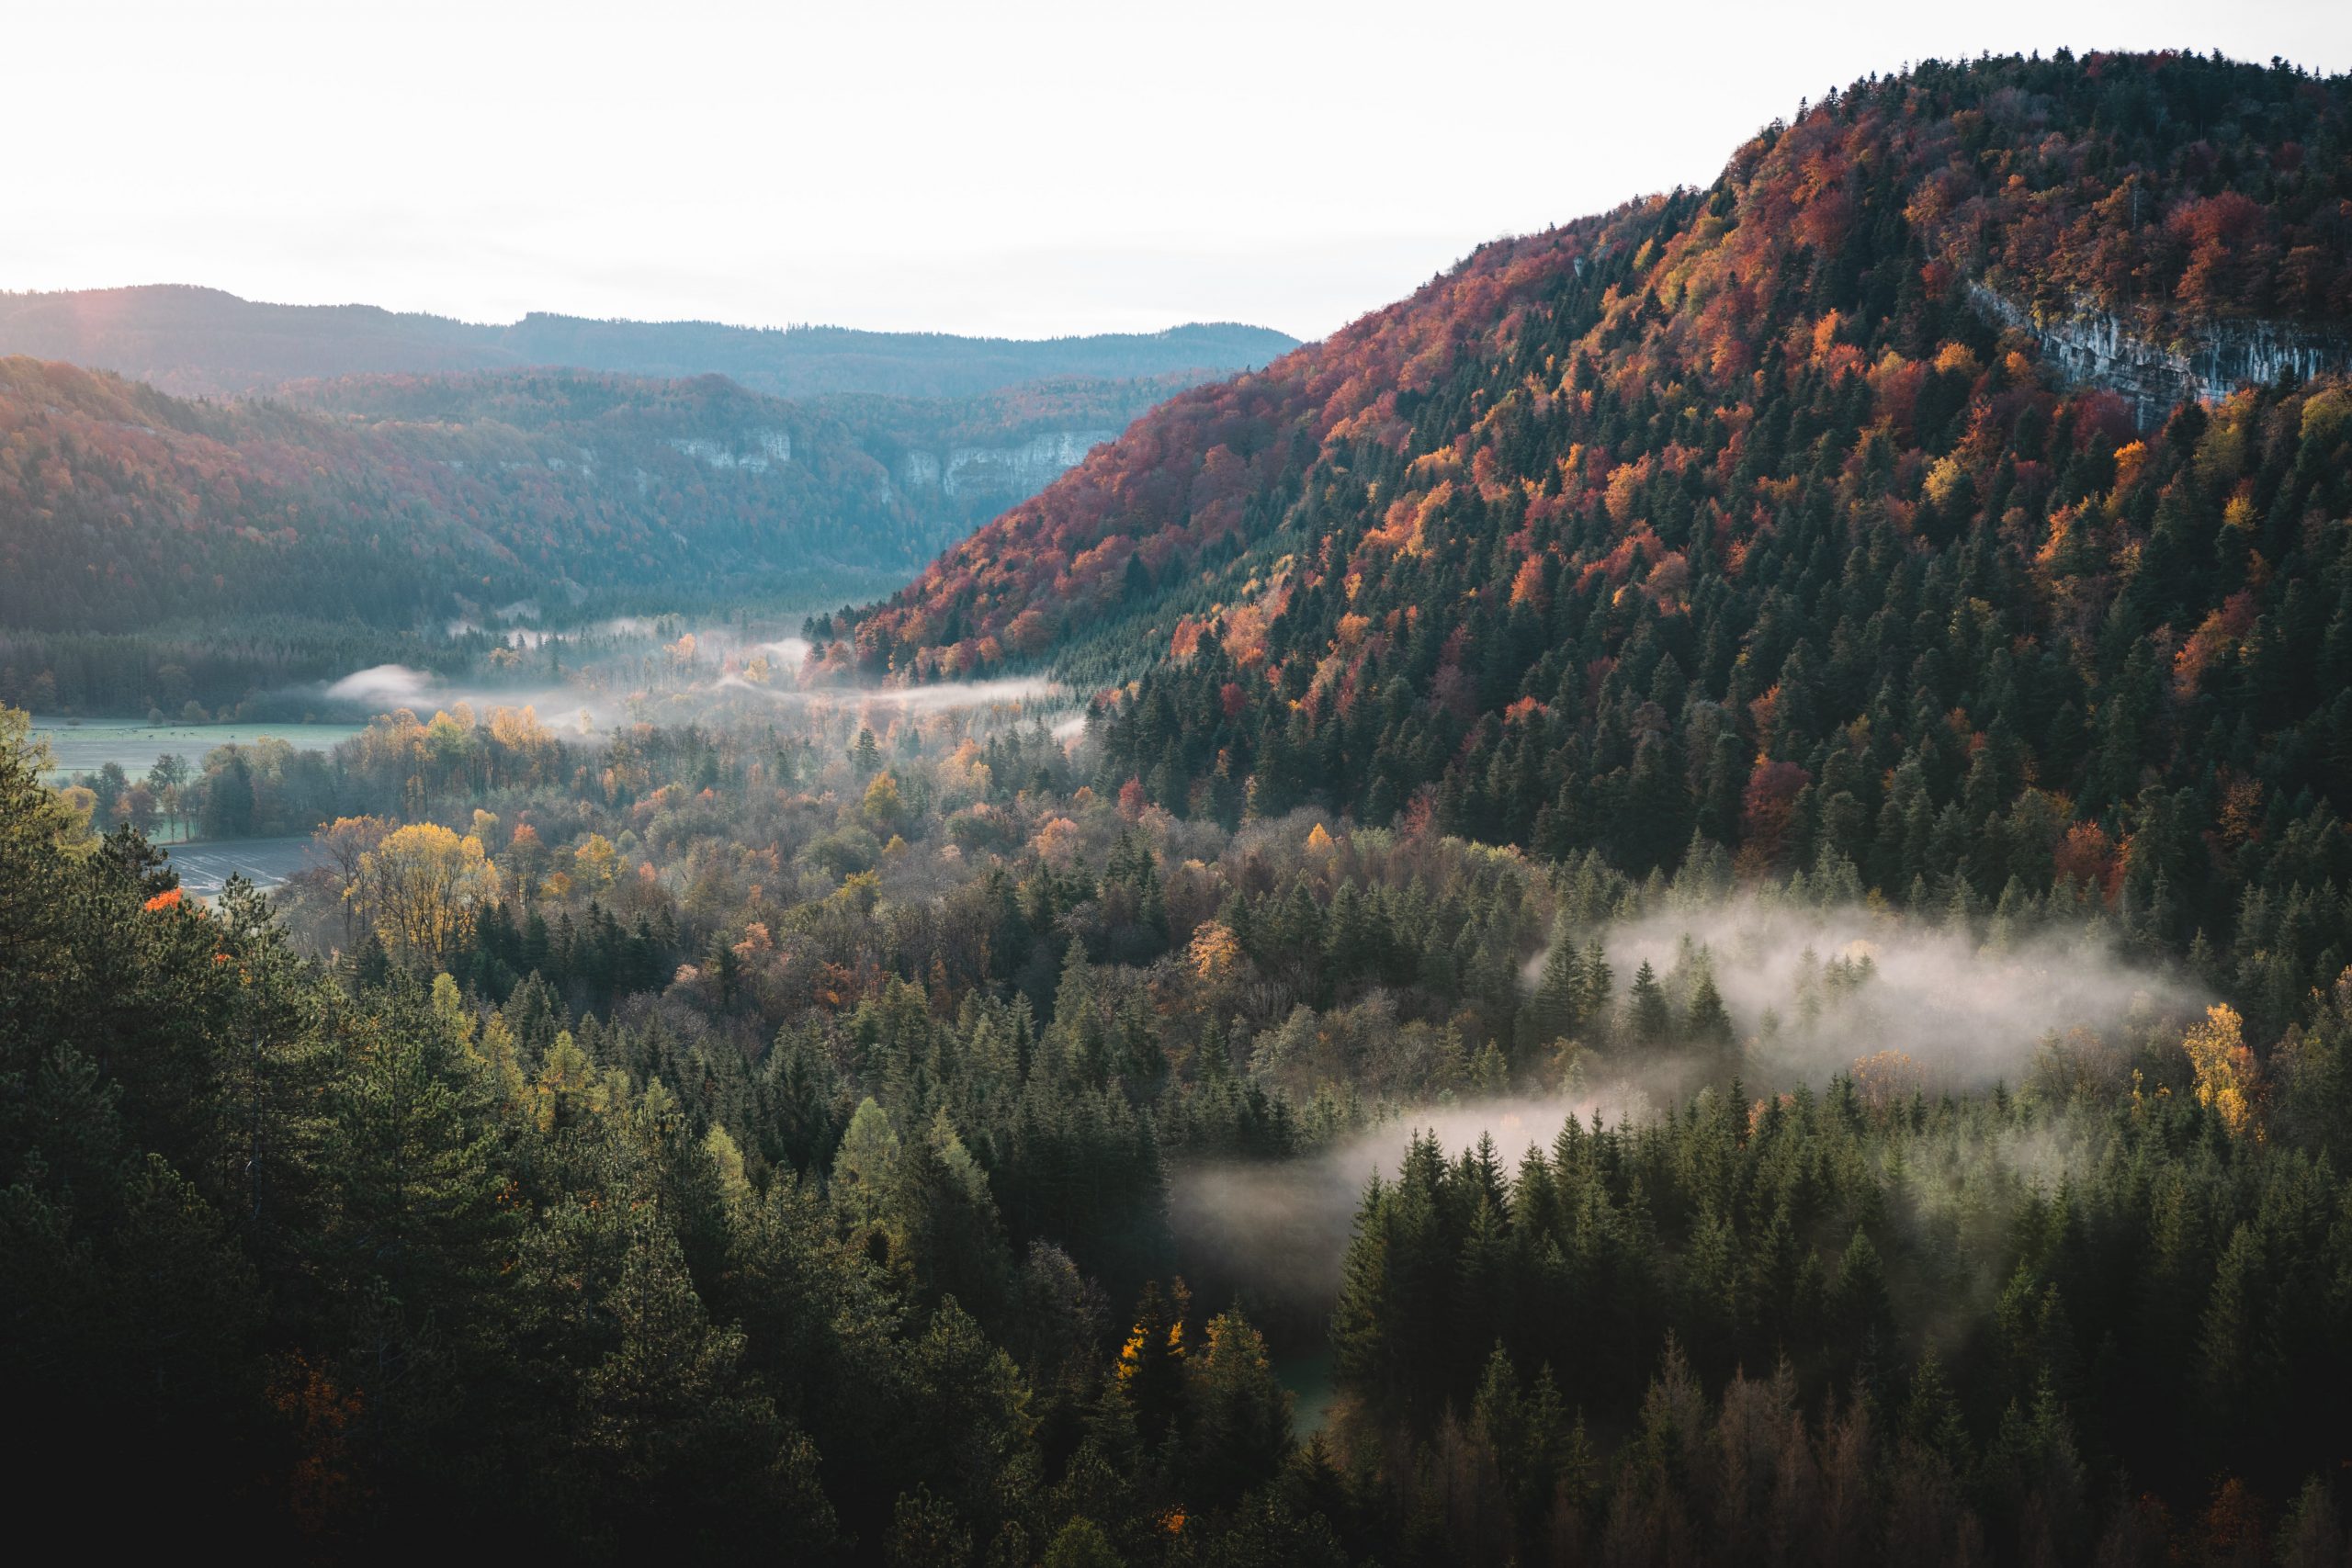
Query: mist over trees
{"type": "Point", "coordinates": [847, 1074]}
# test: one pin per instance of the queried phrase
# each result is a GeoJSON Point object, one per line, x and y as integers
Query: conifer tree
{"type": "Point", "coordinates": [1649, 1017]}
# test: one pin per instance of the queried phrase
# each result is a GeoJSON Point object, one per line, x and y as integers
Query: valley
{"type": "Point", "coordinates": [1683, 899]}
{"type": "Point", "coordinates": [249, 550]}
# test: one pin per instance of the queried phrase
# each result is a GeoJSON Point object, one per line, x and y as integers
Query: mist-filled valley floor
{"type": "Point", "coordinates": [874, 1050]}
{"type": "Point", "coordinates": [1681, 901]}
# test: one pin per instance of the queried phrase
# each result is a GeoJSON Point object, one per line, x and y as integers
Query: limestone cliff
{"type": "Point", "coordinates": [1012, 472]}
{"type": "Point", "coordinates": [2207, 361]}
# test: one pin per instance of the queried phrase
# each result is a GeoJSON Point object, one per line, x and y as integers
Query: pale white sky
{"type": "Point", "coordinates": [1023, 169]}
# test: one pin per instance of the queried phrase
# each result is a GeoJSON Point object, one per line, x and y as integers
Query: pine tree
{"type": "Point", "coordinates": [1238, 1413]}
{"type": "Point", "coordinates": [1595, 1004]}
{"type": "Point", "coordinates": [1151, 1366]}
{"type": "Point", "coordinates": [865, 1186]}
{"type": "Point", "coordinates": [1552, 1013]}
{"type": "Point", "coordinates": [1707, 1026]}
{"type": "Point", "coordinates": [1649, 1019]}
{"type": "Point", "coordinates": [409, 1158]}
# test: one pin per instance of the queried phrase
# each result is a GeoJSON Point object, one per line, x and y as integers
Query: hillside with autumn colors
{"type": "Point", "coordinates": [2173, 192]}
{"type": "Point", "coordinates": [1738, 517]}
{"type": "Point", "coordinates": [128, 507]}
{"type": "Point", "coordinates": [315, 523]}
{"type": "Point", "coordinates": [388, 501]}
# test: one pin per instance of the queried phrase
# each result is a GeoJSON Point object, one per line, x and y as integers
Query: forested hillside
{"type": "Point", "coordinates": [956, 461]}
{"type": "Point", "coordinates": [767, 1140]}
{"type": "Point", "coordinates": [162, 550]}
{"type": "Point", "coordinates": [303, 535]}
{"type": "Point", "coordinates": [325, 524]}
{"type": "Point", "coordinates": [1730, 514]}
{"type": "Point", "coordinates": [129, 506]}
{"type": "Point", "coordinates": [197, 341]}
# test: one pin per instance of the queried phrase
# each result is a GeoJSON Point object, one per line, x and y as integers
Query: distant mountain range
{"type": "Point", "coordinates": [383, 473]}
{"type": "Point", "coordinates": [196, 342]}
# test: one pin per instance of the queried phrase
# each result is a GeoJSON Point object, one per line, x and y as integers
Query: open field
{"type": "Point", "coordinates": [84, 746]}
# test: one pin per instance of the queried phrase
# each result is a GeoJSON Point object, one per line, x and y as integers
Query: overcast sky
{"type": "Point", "coordinates": [1016, 169]}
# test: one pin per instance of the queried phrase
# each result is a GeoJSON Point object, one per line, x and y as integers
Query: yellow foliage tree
{"type": "Point", "coordinates": [1056, 841]}
{"type": "Point", "coordinates": [81, 802]}
{"type": "Point", "coordinates": [421, 889]}
{"type": "Point", "coordinates": [1945, 480]}
{"type": "Point", "coordinates": [1215, 951]}
{"type": "Point", "coordinates": [883, 809]}
{"type": "Point", "coordinates": [2227, 1077]}
{"type": "Point", "coordinates": [567, 1090]}
{"type": "Point", "coordinates": [727, 1158]}
{"type": "Point", "coordinates": [343, 843]}
{"type": "Point", "coordinates": [597, 861]}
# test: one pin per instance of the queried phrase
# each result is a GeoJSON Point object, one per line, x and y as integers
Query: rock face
{"type": "Point", "coordinates": [767, 447]}
{"type": "Point", "coordinates": [1021, 470]}
{"type": "Point", "coordinates": [2094, 346]}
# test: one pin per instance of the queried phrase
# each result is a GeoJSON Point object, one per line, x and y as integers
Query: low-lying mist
{"type": "Point", "coordinates": [1274, 1234]}
{"type": "Point", "coordinates": [1812, 991]}
{"type": "Point", "coordinates": [395, 683]}
{"type": "Point", "coordinates": [385, 688]}
{"type": "Point", "coordinates": [943, 696]}
{"type": "Point", "coordinates": [723, 698]}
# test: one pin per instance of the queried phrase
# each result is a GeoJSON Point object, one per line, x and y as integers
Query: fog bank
{"type": "Point", "coordinates": [1810, 992]}
{"type": "Point", "coordinates": [1275, 1232]}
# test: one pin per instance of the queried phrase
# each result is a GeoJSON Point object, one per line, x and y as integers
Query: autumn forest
{"type": "Point", "coordinates": [1682, 900]}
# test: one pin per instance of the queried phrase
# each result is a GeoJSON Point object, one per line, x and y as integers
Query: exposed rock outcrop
{"type": "Point", "coordinates": [766, 446]}
{"type": "Point", "coordinates": [2095, 347]}
{"type": "Point", "coordinates": [1001, 470]}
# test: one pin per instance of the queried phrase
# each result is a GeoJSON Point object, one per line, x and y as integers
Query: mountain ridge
{"type": "Point", "coordinates": [194, 340]}
{"type": "Point", "coordinates": [134, 506]}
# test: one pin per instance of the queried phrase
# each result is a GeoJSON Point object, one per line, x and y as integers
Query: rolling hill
{"type": "Point", "coordinates": [158, 547]}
